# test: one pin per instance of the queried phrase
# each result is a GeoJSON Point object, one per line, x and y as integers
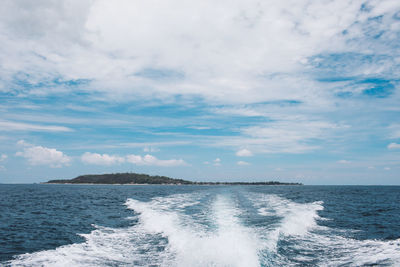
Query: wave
{"type": "Point", "coordinates": [209, 229]}
{"type": "Point", "coordinates": [297, 218]}
{"type": "Point", "coordinates": [228, 244]}
{"type": "Point", "coordinates": [306, 242]}
{"type": "Point", "coordinates": [103, 247]}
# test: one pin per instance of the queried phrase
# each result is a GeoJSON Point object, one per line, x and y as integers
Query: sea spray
{"type": "Point", "coordinates": [229, 244]}
{"type": "Point", "coordinates": [219, 226]}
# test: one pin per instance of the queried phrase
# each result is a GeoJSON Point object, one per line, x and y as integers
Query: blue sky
{"type": "Point", "coordinates": [304, 91]}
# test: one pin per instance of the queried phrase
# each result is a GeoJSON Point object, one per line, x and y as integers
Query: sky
{"type": "Point", "coordinates": [238, 90]}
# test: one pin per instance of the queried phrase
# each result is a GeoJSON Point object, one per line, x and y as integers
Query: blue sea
{"type": "Point", "coordinates": [115, 225]}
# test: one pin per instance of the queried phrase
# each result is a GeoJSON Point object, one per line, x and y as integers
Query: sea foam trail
{"type": "Point", "coordinates": [238, 245]}
{"type": "Point", "coordinates": [206, 229]}
{"type": "Point", "coordinates": [103, 247]}
{"type": "Point", "coordinates": [131, 246]}
{"type": "Point", "coordinates": [229, 244]}
{"type": "Point", "coordinates": [295, 219]}
{"type": "Point", "coordinates": [309, 243]}
{"type": "Point", "coordinates": [340, 251]}
{"type": "Point", "coordinates": [164, 236]}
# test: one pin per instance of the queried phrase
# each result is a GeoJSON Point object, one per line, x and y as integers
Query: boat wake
{"type": "Point", "coordinates": [222, 229]}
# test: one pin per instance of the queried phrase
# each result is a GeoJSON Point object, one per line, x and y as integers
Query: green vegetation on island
{"type": "Point", "coordinates": [135, 178]}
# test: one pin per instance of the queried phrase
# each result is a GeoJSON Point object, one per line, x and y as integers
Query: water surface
{"type": "Point", "coordinates": [110, 225]}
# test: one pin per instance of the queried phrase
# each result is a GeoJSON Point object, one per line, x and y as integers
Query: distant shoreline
{"type": "Point", "coordinates": [194, 184]}
{"type": "Point", "coordinates": [99, 184]}
{"type": "Point", "coordinates": [145, 179]}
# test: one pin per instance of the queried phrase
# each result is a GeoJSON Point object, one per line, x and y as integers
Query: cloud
{"type": "Point", "coordinates": [217, 162]}
{"type": "Point", "coordinates": [261, 40]}
{"type": "Point", "coordinates": [244, 153]}
{"type": "Point", "coordinates": [3, 157]}
{"type": "Point", "coordinates": [242, 163]}
{"type": "Point", "coordinates": [147, 160]}
{"type": "Point", "coordinates": [343, 161]}
{"type": "Point", "coordinates": [20, 126]}
{"type": "Point", "coordinates": [393, 146]}
{"type": "Point", "coordinates": [200, 127]}
{"type": "Point", "coordinates": [387, 168]}
{"type": "Point", "coordinates": [394, 130]}
{"type": "Point", "coordinates": [23, 143]}
{"type": "Point", "coordinates": [38, 155]}
{"type": "Point", "coordinates": [151, 149]}
{"type": "Point", "coordinates": [286, 134]}
{"type": "Point", "coordinates": [155, 144]}
{"type": "Point", "coordinates": [283, 76]}
{"type": "Point", "coordinates": [101, 159]}
{"type": "Point", "coordinates": [150, 160]}
{"type": "Point", "coordinates": [241, 111]}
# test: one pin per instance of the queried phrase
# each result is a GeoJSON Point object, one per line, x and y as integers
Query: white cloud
{"type": "Point", "coordinates": [101, 159]}
{"type": "Point", "coordinates": [217, 162]}
{"type": "Point", "coordinates": [242, 163]}
{"type": "Point", "coordinates": [343, 161]}
{"type": "Point", "coordinates": [20, 126]}
{"type": "Point", "coordinates": [3, 157]}
{"type": "Point", "coordinates": [244, 112]}
{"type": "Point", "coordinates": [38, 155]}
{"type": "Point", "coordinates": [154, 144]}
{"type": "Point", "coordinates": [291, 134]}
{"type": "Point", "coordinates": [153, 161]}
{"type": "Point", "coordinates": [387, 168]}
{"type": "Point", "coordinates": [135, 159]}
{"type": "Point", "coordinates": [394, 130]}
{"type": "Point", "coordinates": [147, 160]}
{"type": "Point", "coordinates": [151, 149]}
{"type": "Point", "coordinates": [274, 49]}
{"type": "Point", "coordinates": [200, 127]}
{"type": "Point", "coordinates": [259, 39]}
{"type": "Point", "coordinates": [393, 146]}
{"type": "Point", "coordinates": [23, 143]}
{"type": "Point", "coordinates": [244, 153]}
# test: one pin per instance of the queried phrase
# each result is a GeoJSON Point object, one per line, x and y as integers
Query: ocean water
{"type": "Point", "coordinates": [110, 225]}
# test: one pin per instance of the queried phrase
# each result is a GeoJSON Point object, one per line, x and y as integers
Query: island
{"type": "Point", "coordinates": [137, 178]}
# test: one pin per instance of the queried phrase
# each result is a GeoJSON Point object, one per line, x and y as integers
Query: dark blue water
{"type": "Point", "coordinates": [106, 225]}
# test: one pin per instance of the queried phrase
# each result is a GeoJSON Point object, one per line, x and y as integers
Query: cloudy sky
{"type": "Point", "coordinates": [232, 90]}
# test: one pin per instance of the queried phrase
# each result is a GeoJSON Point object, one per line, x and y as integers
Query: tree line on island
{"type": "Point", "coordinates": [136, 178]}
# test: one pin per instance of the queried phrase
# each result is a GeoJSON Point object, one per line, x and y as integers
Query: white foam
{"type": "Point", "coordinates": [168, 235]}
{"type": "Point", "coordinates": [164, 236]}
{"type": "Point", "coordinates": [230, 244]}
{"type": "Point", "coordinates": [132, 246]}
{"type": "Point", "coordinates": [103, 247]}
{"type": "Point", "coordinates": [335, 250]}
{"type": "Point", "coordinates": [310, 242]}
{"type": "Point", "coordinates": [296, 218]}
{"type": "Point", "coordinates": [369, 252]}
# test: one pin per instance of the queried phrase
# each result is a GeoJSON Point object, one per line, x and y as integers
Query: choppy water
{"type": "Point", "coordinates": [81, 225]}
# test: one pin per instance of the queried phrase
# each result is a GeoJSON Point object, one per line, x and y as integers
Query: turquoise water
{"type": "Point", "coordinates": [106, 225]}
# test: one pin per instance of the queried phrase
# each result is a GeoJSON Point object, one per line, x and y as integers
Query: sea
{"type": "Point", "coordinates": [194, 225]}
